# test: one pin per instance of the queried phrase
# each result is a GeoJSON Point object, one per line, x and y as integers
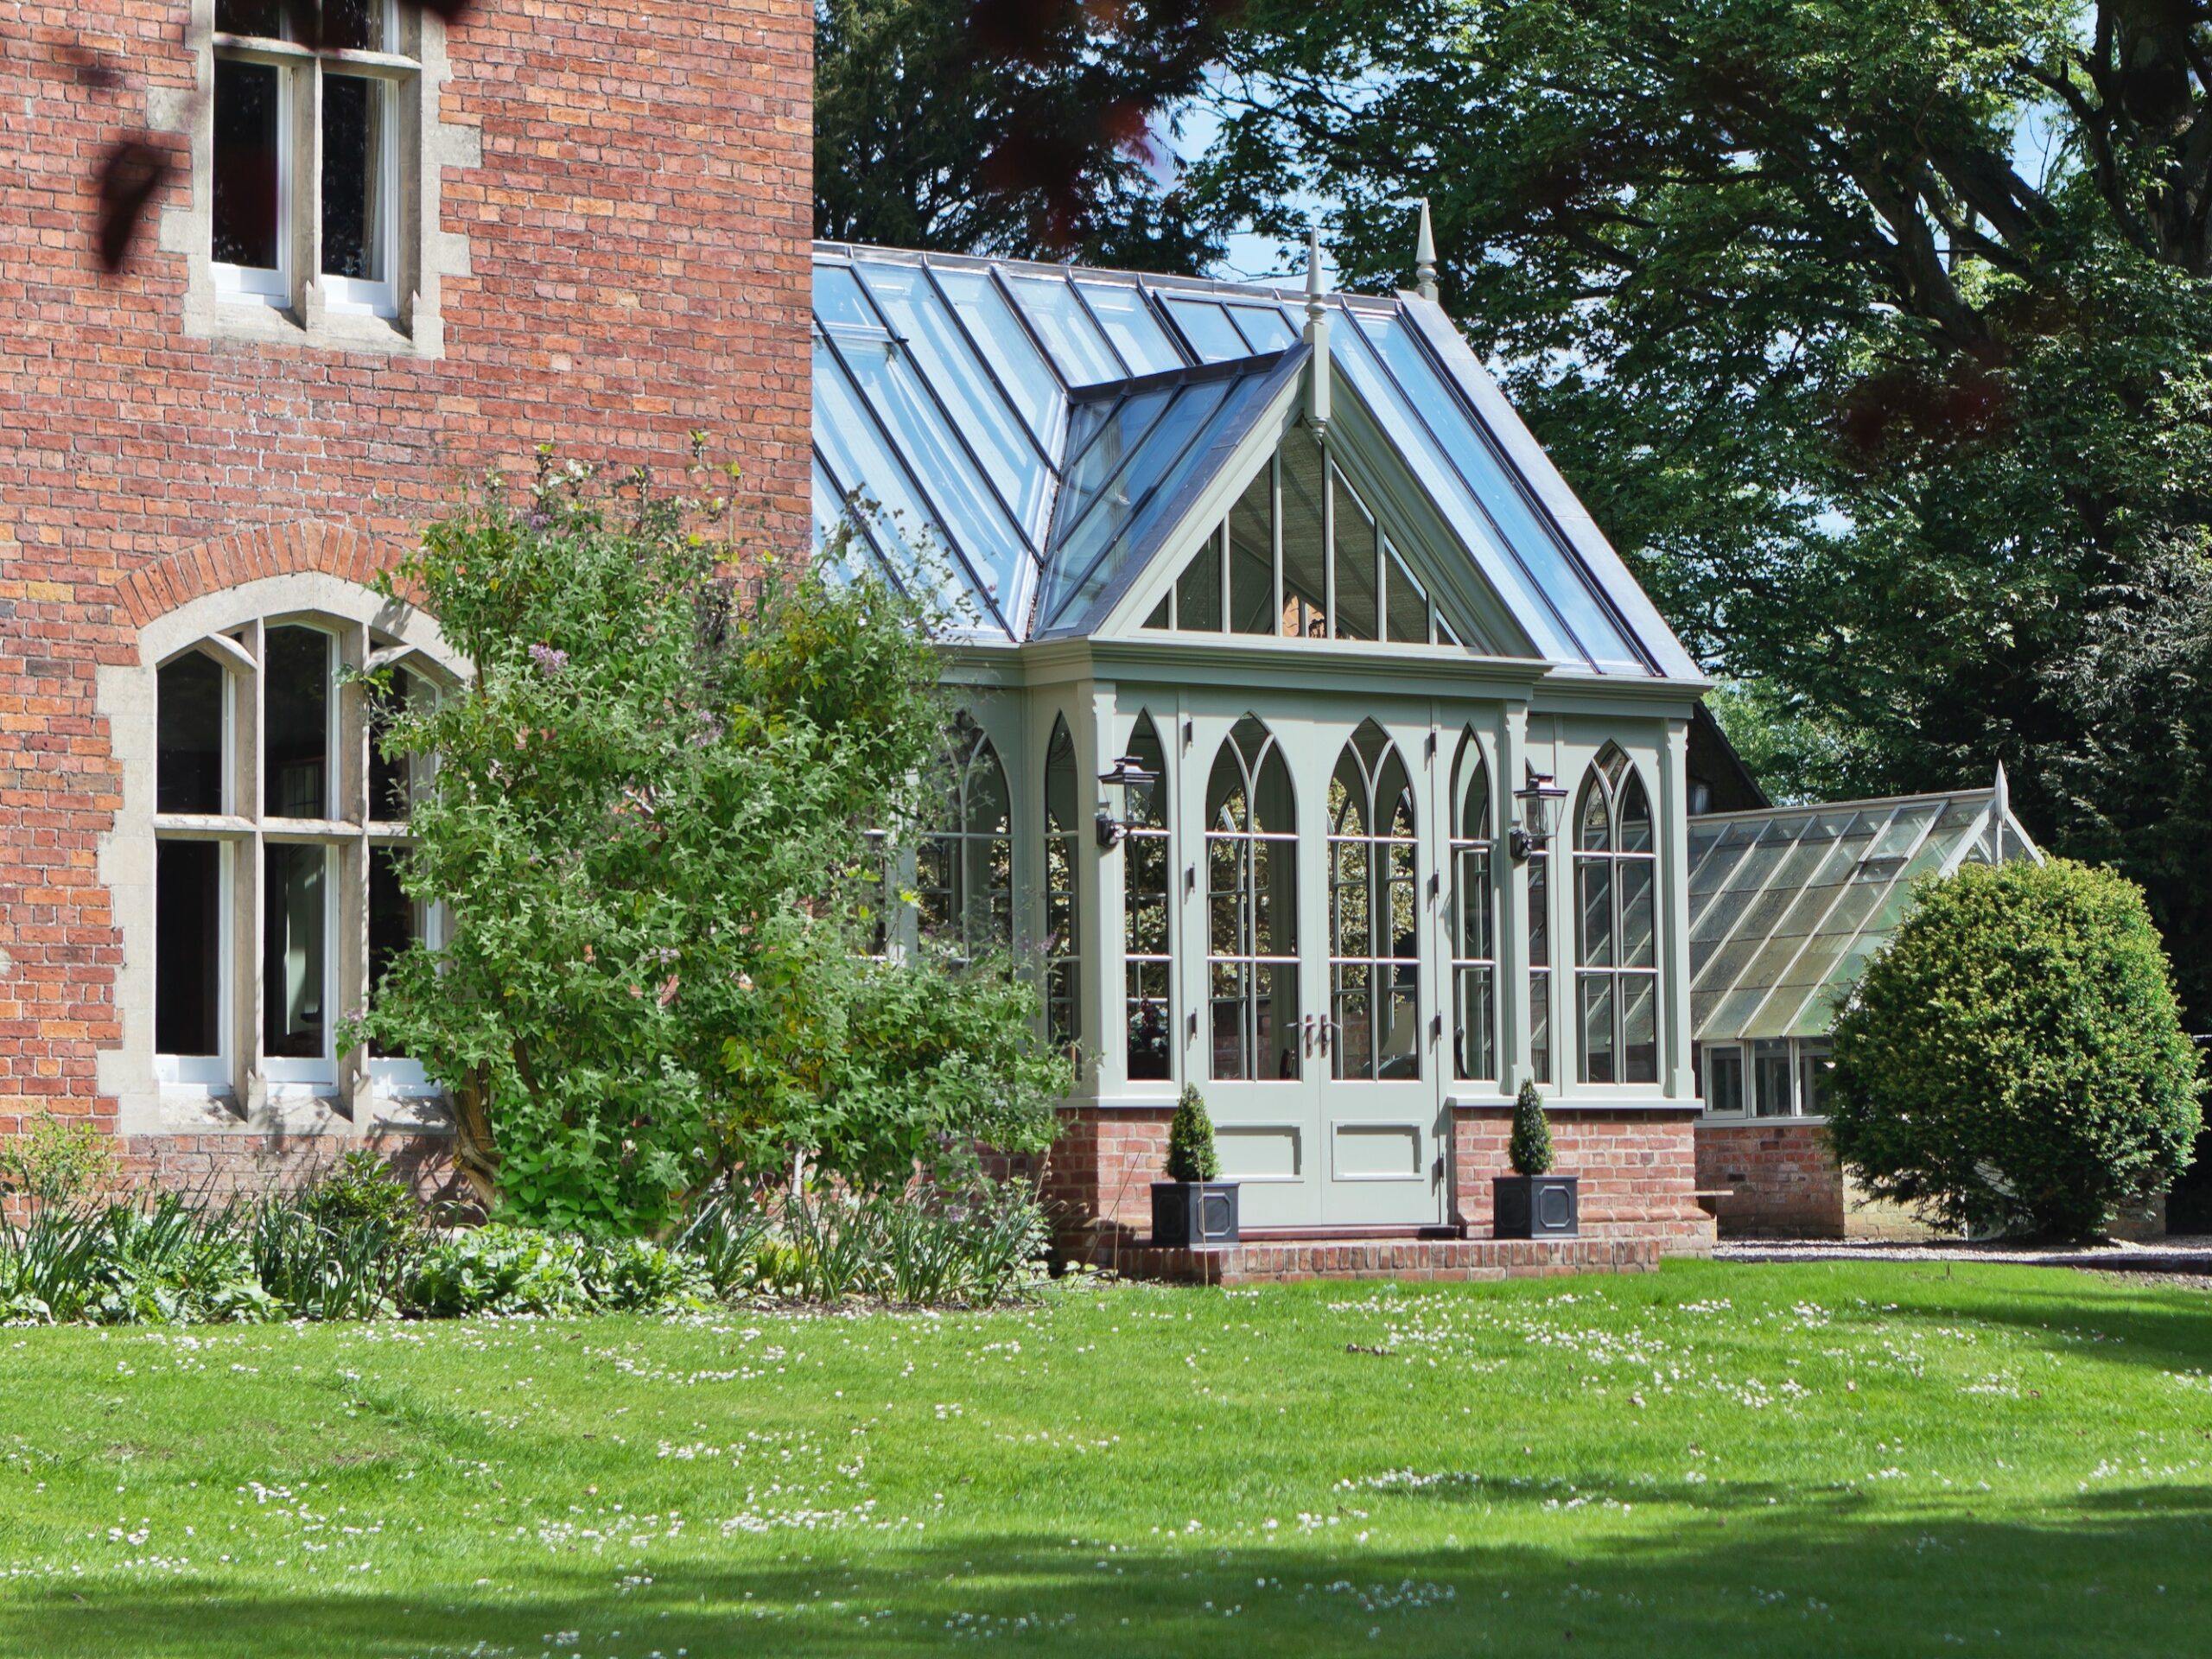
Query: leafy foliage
{"type": "Point", "coordinates": [1191, 1152]}
{"type": "Point", "coordinates": [1530, 1149]}
{"type": "Point", "coordinates": [1008, 126]}
{"type": "Point", "coordinates": [2014, 1057]}
{"type": "Point", "coordinates": [647, 823]}
{"type": "Point", "coordinates": [1879, 336]}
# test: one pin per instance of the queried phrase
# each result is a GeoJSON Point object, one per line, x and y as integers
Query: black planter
{"type": "Point", "coordinates": [1188, 1214]}
{"type": "Point", "coordinates": [1534, 1206]}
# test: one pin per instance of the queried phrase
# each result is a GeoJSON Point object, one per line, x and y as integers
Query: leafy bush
{"type": "Point", "coordinates": [1190, 1154]}
{"type": "Point", "coordinates": [1530, 1150]}
{"type": "Point", "coordinates": [649, 825]}
{"type": "Point", "coordinates": [343, 1246]}
{"type": "Point", "coordinates": [64, 1160]}
{"type": "Point", "coordinates": [2014, 1058]}
{"type": "Point", "coordinates": [167, 1262]}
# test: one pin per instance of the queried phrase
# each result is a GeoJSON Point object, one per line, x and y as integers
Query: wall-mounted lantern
{"type": "Point", "coordinates": [1128, 773]}
{"type": "Point", "coordinates": [1540, 798]}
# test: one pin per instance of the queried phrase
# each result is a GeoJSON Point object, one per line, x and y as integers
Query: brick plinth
{"type": "Point", "coordinates": [1638, 1172]}
{"type": "Point", "coordinates": [1781, 1179]}
{"type": "Point", "coordinates": [1462, 1260]}
{"type": "Point", "coordinates": [1098, 1176]}
{"type": "Point", "coordinates": [220, 1166]}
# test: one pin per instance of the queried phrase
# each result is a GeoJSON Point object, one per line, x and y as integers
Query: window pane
{"type": "Point", "coordinates": [1209, 329]}
{"type": "Point", "coordinates": [392, 781]}
{"type": "Point", "coordinates": [353, 177]}
{"type": "Point", "coordinates": [1232, 999]}
{"type": "Point", "coordinates": [1274, 1023]}
{"type": "Point", "coordinates": [1476, 1052]}
{"type": "Point", "coordinates": [1408, 604]}
{"type": "Point", "coordinates": [1540, 1027]}
{"type": "Point", "coordinates": [1540, 911]}
{"type": "Point", "coordinates": [1358, 602]}
{"type": "Point", "coordinates": [395, 922]}
{"type": "Point", "coordinates": [1128, 322]}
{"type": "Point", "coordinates": [190, 695]}
{"type": "Point", "coordinates": [1353, 1009]}
{"type": "Point", "coordinates": [1814, 1068]}
{"type": "Point", "coordinates": [1770, 1076]}
{"type": "Point", "coordinates": [188, 946]}
{"type": "Point", "coordinates": [261, 17]}
{"type": "Point", "coordinates": [1002, 339]}
{"type": "Point", "coordinates": [1639, 995]}
{"type": "Point", "coordinates": [295, 930]}
{"type": "Point", "coordinates": [1397, 1040]}
{"type": "Point", "coordinates": [1638, 947]}
{"type": "Point", "coordinates": [1596, 1029]}
{"type": "Point", "coordinates": [245, 164]}
{"type": "Point", "coordinates": [1080, 351]}
{"type": "Point", "coordinates": [1305, 557]}
{"type": "Point", "coordinates": [1198, 592]}
{"type": "Point", "coordinates": [1472, 911]}
{"type": "Point", "coordinates": [1724, 1080]}
{"type": "Point", "coordinates": [295, 675]}
{"type": "Point", "coordinates": [1597, 911]}
{"type": "Point", "coordinates": [353, 25]}
{"type": "Point", "coordinates": [1252, 557]}
{"type": "Point", "coordinates": [1148, 1056]}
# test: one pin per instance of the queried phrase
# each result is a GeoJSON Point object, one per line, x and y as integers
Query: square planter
{"type": "Point", "coordinates": [1187, 1214]}
{"type": "Point", "coordinates": [1535, 1206]}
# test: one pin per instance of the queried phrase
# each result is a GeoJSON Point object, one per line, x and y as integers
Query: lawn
{"type": "Point", "coordinates": [1813, 1459]}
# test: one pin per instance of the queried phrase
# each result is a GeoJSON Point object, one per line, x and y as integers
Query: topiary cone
{"type": "Point", "coordinates": [1531, 1147]}
{"type": "Point", "coordinates": [1191, 1155]}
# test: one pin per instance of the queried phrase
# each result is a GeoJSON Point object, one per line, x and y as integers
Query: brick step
{"type": "Point", "coordinates": [1416, 1260]}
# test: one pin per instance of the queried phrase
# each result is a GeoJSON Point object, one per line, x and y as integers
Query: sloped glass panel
{"type": "Point", "coordinates": [907, 529]}
{"type": "Point", "coordinates": [993, 427]}
{"type": "Point", "coordinates": [1128, 322]}
{"type": "Point", "coordinates": [1252, 556]}
{"type": "Point", "coordinates": [1103, 434]}
{"type": "Point", "coordinates": [1079, 350]}
{"type": "Point", "coordinates": [1265, 329]}
{"type": "Point", "coordinates": [1208, 328]}
{"type": "Point", "coordinates": [1305, 551]}
{"type": "Point", "coordinates": [839, 303]}
{"type": "Point", "coordinates": [1180, 454]}
{"type": "Point", "coordinates": [1550, 565]}
{"type": "Point", "coordinates": [1023, 373]}
{"type": "Point", "coordinates": [994, 547]}
{"type": "Point", "coordinates": [1359, 597]}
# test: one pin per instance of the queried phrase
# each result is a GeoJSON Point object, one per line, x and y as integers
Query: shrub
{"type": "Point", "coordinates": [169, 1261]}
{"type": "Point", "coordinates": [648, 823]}
{"type": "Point", "coordinates": [500, 1269]}
{"type": "Point", "coordinates": [341, 1247]}
{"type": "Point", "coordinates": [59, 1161]}
{"type": "Point", "coordinates": [1191, 1154]}
{"type": "Point", "coordinates": [2013, 1059]}
{"type": "Point", "coordinates": [1530, 1149]}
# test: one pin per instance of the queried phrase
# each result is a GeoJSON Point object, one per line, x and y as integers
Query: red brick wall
{"type": "Point", "coordinates": [639, 255]}
{"type": "Point", "coordinates": [1782, 1180]}
{"type": "Point", "coordinates": [1098, 1176]}
{"type": "Point", "coordinates": [1638, 1171]}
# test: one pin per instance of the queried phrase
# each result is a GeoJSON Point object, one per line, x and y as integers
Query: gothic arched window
{"type": "Point", "coordinates": [964, 864]}
{"type": "Point", "coordinates": [1374, 911]}
{"type": "Point", "coordinates": [1149, 967]}
{"type": "Point", "coordinates": [1252, 908]}
{"type": "Point", "coordinates": [1474, 932]}
{"type": "Point", "coordinates": [1617, 979]}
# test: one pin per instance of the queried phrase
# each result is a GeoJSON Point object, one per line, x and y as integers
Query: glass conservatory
{"type": "Point", "coordinates": [1314, 746]}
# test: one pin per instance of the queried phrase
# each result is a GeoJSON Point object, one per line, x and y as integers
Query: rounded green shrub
{"type": "Point", "coordinates": [1530, 1150]}
{"type": "Point", "coordinates": [2013, 1060]}
{"type": "Point", "coordinates": [1190, 1154]}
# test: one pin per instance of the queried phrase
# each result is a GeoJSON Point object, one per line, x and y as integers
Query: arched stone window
{"type": "Point", "coordinates": [1373, 912]}
{"type": "Point", "coordinates": [1062, 845]}
{"type": "Point", "coordinates": [1474, 929]}
{"type": "Point", "coordinates": [1147, 870]}
{"type": "Point", "coordinates": [1617, 945]}
{"type": "Point", "coordinates": [278, 829]}
{"type": "Point", "coordinates": [1252, 908]}
{"type": "Point", "coordinates": [964, 865]}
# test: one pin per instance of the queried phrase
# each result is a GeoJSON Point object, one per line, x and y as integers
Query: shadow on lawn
{"type": "Point", "coordinates": [2146, 1324]}
{"type": "Point", "coordinates": [2115, 1570]}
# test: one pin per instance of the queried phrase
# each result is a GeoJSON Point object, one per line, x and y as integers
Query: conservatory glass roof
{"type": "Point", "coordinates": [1786, 904]}
{"type": "Point", "coordinates": [1024, 438]}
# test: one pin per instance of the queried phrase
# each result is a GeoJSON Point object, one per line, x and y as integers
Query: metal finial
{"type": "Point", "coordinates": [1425, 258]}
{"type": "Point", "coordinates": [1315, 288]}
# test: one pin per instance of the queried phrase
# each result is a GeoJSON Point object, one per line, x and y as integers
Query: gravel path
{"type": "Point", "coordinates": [2188, 1257]}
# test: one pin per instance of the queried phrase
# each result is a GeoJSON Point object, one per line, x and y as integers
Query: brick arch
{"type": "Point", "coordinates": [303, 546]}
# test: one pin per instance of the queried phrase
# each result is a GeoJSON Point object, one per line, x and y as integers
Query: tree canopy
{"type": "Point", "coordinates": [1877, 335]}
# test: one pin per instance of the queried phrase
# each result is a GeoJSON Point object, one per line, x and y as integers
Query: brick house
{"type": "Point", "coordinates": [1404, 819]}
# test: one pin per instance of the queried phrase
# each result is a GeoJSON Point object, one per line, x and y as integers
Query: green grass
{"type": "Point", "coordinates": [1808, 1459]}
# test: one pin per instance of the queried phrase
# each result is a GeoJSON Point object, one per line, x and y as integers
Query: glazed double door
{"type": "Point", "coordinates": [1319, 1015]}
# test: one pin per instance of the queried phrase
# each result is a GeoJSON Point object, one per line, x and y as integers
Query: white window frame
{"type": "Point", "coordinates": [301, 72]}
{"type": "Point", "coordinates": [1800, 1052]}
{"type": "Point", "coordinates": [1706, 1054]}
